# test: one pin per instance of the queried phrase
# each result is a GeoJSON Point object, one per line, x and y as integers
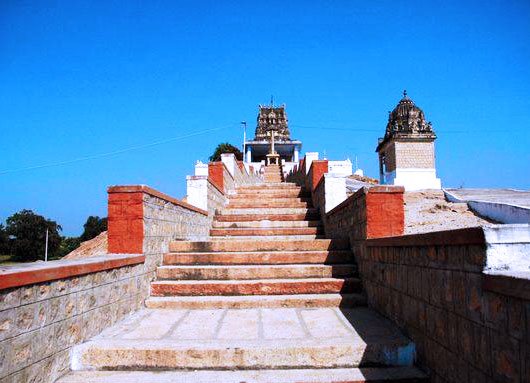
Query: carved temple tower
{"type": "Point", "coordinates": [406, 152]}
{"type": "Point", "coordinates": [272, 120]}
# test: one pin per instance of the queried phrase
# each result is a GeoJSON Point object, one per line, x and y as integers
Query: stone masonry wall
{"type": "Point", "coordinates": [216, 199]}
{"type": "Point", "coordinates": [415, 154]}
{"type": "Point", "coordinates": [433, 286]}
{"type": "Point", "coordinates": [40, 322]}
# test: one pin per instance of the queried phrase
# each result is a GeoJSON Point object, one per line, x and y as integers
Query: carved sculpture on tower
{"type": "Point", "coordinates": [406, 152]}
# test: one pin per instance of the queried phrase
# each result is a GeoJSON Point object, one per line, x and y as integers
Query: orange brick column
{"type": "Point", "coordinates": [316, 172]}
{"type": "Point", "coordinates": [216, 174]}
{"type": "Point", "coordinates": [125, 221]}
{"type": "Point", "coordinates": [385, 213]}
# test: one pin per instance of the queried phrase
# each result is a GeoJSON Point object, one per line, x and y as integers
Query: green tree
{"type": "Point", "coordinates": [225, 147]}
{"type": "Point", "coordinates": [28, 233]}
{"type": "Point", "coordinates": [93, 227]}
{"type": "Point", "coordinates": [4, 241]}
{"type": "Point", "coordinates": [68, 244]}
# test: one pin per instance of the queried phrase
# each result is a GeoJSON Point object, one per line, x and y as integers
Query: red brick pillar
{"type": "Point", "coordinates": [216, 174]}
{"type": "Point", "coordinates": [385, 213]}
{"type": "Point", "coordinates": [318, 168]}
{"type": "Point", "coordinates": [125, 220]}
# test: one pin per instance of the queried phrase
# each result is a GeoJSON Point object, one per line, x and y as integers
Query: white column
{"type": "Point", "coordinates": [249, 155]}
{"type": "Point", "coordinates": [296, 154]}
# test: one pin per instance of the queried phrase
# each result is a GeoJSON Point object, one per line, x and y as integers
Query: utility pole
{"type": "Point", "coordinates": [46, 251]}
{"type": "Point", "coordinates": [244, 124]}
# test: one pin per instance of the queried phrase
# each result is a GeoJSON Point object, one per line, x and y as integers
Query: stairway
{"type": "Point", "coordinates": [273, 173]}
{"type": "Point", "coordinates": [266, 299]}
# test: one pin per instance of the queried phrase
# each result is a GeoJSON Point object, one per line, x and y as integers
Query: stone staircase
{"type": "Point", "coordinates": [273, 173]}
{"type": "Point", "coordinates": [266, 299]}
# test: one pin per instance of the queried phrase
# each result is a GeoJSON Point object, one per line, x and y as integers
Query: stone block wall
{"type": "Point", "coordinates": [369, 213]}
{"type": "Point", "coordinates": [414, 155]}
{"type": "Point", "coordinates": [43, 315]}
{"type": "Point", "coordinates": [216, 199]}
{"type": "Point", "coordinates": [468, 326]}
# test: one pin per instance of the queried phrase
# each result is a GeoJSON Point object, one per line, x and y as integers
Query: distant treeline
{"type": "Point", "coordinates": [24, 236]}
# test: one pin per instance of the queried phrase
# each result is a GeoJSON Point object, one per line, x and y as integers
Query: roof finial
{"type": "Point", "coordinates": [404, 94]}
{"type": "Point", "coordinates": [272, 101]}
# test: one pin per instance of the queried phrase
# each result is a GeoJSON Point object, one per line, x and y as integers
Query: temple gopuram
{"type": "Point", "coordinates": [272, 125]}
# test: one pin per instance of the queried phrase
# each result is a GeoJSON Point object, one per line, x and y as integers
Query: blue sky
{"type": "Point", "coordinates": [85, 78]}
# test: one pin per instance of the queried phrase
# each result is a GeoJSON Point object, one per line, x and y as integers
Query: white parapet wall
{"type": "Point", "coordinates": [335, 190]}
{"type": "Point", "coordinates": [508, 248]}
{"type": "Point", "coordinates": [341, 168]}
{"type": "Point", "coordinates": [229, 159]}
{"type": "Point", "coordinates": [197, 191]}
{"type": "Point", "coordinates": [309, 158]}
{"type": "Point", "coordinates": [413, 179]}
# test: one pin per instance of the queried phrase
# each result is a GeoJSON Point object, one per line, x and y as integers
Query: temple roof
{"type": "Point", "coordinates": [272, 117]}
{"type": "Point", "coordinates": [407, 121]}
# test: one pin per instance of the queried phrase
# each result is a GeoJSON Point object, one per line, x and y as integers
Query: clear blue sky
{"type": "Point", "coordinates": [81, 78]}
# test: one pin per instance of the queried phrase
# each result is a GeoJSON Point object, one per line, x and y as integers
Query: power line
{"type": "Point", "coordinates": [93, 157]}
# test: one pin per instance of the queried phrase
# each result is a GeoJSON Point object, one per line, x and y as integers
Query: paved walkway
{"type": "Point", "coordinates": [509, 196]}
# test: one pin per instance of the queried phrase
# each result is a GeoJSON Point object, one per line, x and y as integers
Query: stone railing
{"type": "Point", "coordinates": [469, 323]}
{"type": "Point", "coordinates": [46, 308]}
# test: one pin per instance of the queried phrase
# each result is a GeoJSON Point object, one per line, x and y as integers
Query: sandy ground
{"type": "Point", "coordinates": [429, 211]}
{"type": "Point", "coordinates": [96, 247]}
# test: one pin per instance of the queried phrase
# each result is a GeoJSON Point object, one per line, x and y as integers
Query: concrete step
{"type": "Point", "coordinates": [311, 216]}
{"type": "Point", "coordinates": [323, 375]}
{"type": "Point", "coordinates": [243, 272]}
{"type": "Point", "coordinates": [247, 339]}
{"type": "Point", "coordinates": [258, 245]}
{"type": "Point", "coordinates": [263, 210]}
{"type": "Point", "coordinates": [265, 224]}
{"type": "Point", "coordinates": [287, 194]}
{"type": "Point", "coordinates": [290, 237]}
{"type": "Point", "coordinates": [252, 204]}
{"type": "Point", "coordinates": [269, 187]}
{"type": "Point", "coordinates": [259, 257]}
{"type": "Point", "coordinates": [256, 287]}
{"type": "Point", "coordinates": [255, 301]}
{"type": "Point", "coordinates": [266, 231]}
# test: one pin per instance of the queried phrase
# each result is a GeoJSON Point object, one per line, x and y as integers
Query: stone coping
{"type": "Point", "coordinates": [515, 284]}
{"type": "Point", "coordinates": [467, 236]}
{"type": "Point", "coordinates": [37, 272]}
{"type": "Point", "coordinates": [363, 191]}
{"type": "Point", "coordinates": [155, 193]}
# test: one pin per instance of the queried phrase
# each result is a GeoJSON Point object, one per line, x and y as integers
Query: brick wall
{"type": "Point", "coordinates": [315, 174]}
{"type": "Point", "coordinates": [369, 213]}
{"type": "Point", "coordinates": [467, 326]}
{"type": "Point", "coordinates": [42, 320]}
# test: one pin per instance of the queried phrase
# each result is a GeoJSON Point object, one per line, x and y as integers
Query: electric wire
{"type": "Point", "coordinates": [108, 154]}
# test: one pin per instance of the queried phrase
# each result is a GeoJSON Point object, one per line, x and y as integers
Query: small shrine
{"type": "Point", "coordinates": [406, 152]}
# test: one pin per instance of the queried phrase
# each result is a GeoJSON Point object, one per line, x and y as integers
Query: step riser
{"type": "Point", "coordinates": [253, 245]}
{"type": "Point", "coordinates": [267, 231]}
{"type": "Point", "coordinates": [263, 301]}
{"type": "Point", "coordinates": [294, 356]}
{"type": "Point", "coordinates": [160, 289]}
{"type": "Point", "coordinates": [268, 217]}
{"type": "Point", "coordinates": [263, 258]}
{"type": "Point", "coordinates": [267, 205]}
{"type": "Point", "coordinates": [277, 195]}
{"type": "Point", "coordinates": [268, 199]}
{"type": "Point", "coordinates": [353, 375]}
{"type": "Point", "coordinates": [265, 224]}
{"type": "Point", "coordinates": [263, 210]}
{"type": "Point", "coordinates": [252, 272]}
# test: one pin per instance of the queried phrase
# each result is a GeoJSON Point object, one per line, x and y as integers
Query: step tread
{"type": "Point", "coordinates": [271, 338]}
{"type": "Point", "coordinates": [345, 375]}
